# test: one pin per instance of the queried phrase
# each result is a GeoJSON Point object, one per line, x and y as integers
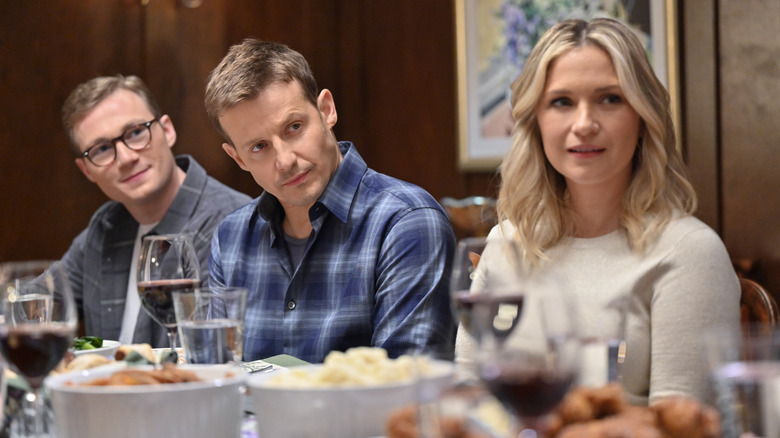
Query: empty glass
{"type": "Point", "coordinates": [746, 374]}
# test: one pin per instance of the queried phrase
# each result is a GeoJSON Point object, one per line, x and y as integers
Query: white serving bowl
{"type": "Point", "coordinates": [335, 412]}
{"type": "Point", "coordinates": [108, 349]}
{"type": "Point", "coordinates": [209, 408]}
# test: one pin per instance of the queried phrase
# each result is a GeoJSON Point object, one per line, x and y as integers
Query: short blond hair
{"type": "Point", "coordinates": [249, 68]}
{"type": "Point", "coordinates": [533, 196]}
{"type": "Point", "coordinates": [89, 94]}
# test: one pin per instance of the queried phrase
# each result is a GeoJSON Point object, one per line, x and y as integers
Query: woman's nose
{"type": "Point", "coordinates": [585, 122]}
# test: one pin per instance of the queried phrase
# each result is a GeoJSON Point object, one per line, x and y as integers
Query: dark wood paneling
{"type": "Point", "coordinates": [749, 54]}
{"type": "Point", "coordinates": [47, 48]}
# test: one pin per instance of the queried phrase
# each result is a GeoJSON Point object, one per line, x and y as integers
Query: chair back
{"type": "Point", "coordinates": [471, 217]}
{"type": "Point", "coordinates": [756, 304]}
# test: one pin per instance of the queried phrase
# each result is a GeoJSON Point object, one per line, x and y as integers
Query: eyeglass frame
{"type": "Point", "coordinates": [113, 142]}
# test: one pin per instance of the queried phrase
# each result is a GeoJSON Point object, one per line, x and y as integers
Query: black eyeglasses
{"type": "Point", "coordinates": [136, 138]}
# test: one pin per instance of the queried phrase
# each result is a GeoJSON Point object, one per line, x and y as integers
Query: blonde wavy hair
{"type": "Point", "coordinates": [533, 196]}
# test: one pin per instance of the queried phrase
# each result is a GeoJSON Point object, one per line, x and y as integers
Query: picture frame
{"type": "Point", "coordinates": [487, 64]}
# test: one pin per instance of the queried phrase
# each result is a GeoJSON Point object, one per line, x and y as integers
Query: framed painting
{"type": "Point", "coordinates": [494, 37]}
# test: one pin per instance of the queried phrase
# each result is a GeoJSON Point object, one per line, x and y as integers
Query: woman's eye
{"type": "Point", "coordinates": [613, 98]}
{"type": "Point", "coordinates": [561, 101]}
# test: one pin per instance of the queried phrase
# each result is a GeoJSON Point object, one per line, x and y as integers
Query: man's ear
{"type": "Point", "coordinates": [230, 150]}
{"type": "Point", "coordinates": [327, 107]}
{"type": "Point", "coordinates": [84, 169]}
{"type": "Point", "coordinates": [168, 130]}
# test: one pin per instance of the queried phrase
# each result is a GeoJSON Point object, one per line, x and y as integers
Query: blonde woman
{"type": "Point", "coordinates": [593, 190]}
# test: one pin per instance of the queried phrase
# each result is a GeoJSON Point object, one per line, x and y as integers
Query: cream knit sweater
{"type": "Point", "coordinates": [679, 288]}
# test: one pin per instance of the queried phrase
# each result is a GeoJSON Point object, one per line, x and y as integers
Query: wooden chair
{"type": "Point", "coordinates": [756, 305]}
{"type": "Point", "coordinates": [471, 217]}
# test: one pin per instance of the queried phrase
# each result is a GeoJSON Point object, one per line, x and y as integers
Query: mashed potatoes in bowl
{"type": "Point", "coordinates": [350, 394]}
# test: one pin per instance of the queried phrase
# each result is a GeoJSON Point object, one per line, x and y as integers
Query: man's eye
{"type": "Point", "coordinates": [133, 133]}
{"type": "Point", "coordinates": [296, 126]}
{"type": "Point", "coordinates": [101, 149]}
{"type": "Point", "coordinates": [258, 147]}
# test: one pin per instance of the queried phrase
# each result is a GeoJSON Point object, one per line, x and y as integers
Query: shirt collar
{"type": "Point", "coordinates": [337, 196]}
{"type": "Point", "coordinates": [186, 200]}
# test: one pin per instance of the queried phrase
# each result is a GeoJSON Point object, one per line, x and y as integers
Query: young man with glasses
{"type": "Point", "coordinates": [123, 144]}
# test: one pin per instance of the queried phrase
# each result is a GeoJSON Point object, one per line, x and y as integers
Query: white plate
{"type": "Point", "coordinates": [108, 349]}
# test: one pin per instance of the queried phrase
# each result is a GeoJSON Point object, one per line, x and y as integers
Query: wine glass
{"type": "Point", "coordinates": [464, 265]}
{"type": "Point", "coordinates": [479, 296]}
{"type": "Point", "coordinates": [531, 372]}
{"type": "Point", "coordinates": [37, 325]}
{"type": "Point", "coordinates": [167, 264]}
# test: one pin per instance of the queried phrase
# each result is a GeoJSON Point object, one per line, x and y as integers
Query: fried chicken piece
{"type": "Point", "coordinates": [682, 417]}
{"type": "Point", "coordinates": [402, 423]}
{"type": "Point", "coordinates": [132, 377]}
{"type": "Point", "coordinates": [611, 427]}
{"type": "Point", "coordinates": [576, 407]}
{"type": "Point", "coordinates": [606, 400]}
{"type": "Point", "coordinates": [169, 373]}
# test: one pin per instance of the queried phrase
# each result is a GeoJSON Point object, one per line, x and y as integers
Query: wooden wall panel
{"type": "Point", "coordinates": [47, 48]}
{"type": "Point", "coordinates": [389, 64]}
{"type": "Point", "coordinates": [749, 122]}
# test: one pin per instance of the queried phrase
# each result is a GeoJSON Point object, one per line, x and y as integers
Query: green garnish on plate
{"type": "Point", "coordinates": [87, 343]}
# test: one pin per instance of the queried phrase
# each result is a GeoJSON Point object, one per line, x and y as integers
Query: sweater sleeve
{"type": "Point", "coordinates": [698, 291]}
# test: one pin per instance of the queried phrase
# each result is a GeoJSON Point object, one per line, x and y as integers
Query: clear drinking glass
{"type": "Point", "coordinates": [478, 296]}
{"type": "Point", "coordinates": [464, 265]}
{"type": "Point", "coordinates": [532, 370]}
{"type": "Point", "coordinates": [745, 366]}
{"type": "Point", "coordinates": [211, 324]}
{"type": "Point", "coordinates": [167, 264]}
{"type": "Point", "coordinates": [38, 324]}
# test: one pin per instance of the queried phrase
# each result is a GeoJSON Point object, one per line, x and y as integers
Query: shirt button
{"type": "Point", "coordinates": [291, 305]}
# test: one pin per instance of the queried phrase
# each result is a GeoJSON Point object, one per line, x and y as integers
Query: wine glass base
{"type": "Point", "coordinates": [23, 423]}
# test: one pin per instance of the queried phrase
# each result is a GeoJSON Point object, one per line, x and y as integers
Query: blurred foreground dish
{"type": "Point", "coordinates": [169, 373]}
{"type": "Point", "coordinates": [603, 413]}
{"type": "Point", "coordinates": [585, 413]}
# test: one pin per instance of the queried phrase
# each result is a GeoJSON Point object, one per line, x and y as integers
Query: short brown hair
{"type": "Point", "coordinates": [249, 68]}
{"type": "Point", "coordinates": [90, 93]}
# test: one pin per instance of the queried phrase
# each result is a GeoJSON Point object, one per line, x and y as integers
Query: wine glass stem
{"type": "Point", "coordinates": [38, 411]}
{"type": "Point", "coordinates": [172, 335]}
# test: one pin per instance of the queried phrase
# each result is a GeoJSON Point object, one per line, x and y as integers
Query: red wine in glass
{"type": "Point", "coordinates": [157, 298]}
{"type": "Point", "coordinates": [34, 351]}
{"type": "Point", "coordinates": [38, 321]}
{"type": "Point", "coordinates": [167, 263]}
{"type": "Point", "coordinates": [529, 393]}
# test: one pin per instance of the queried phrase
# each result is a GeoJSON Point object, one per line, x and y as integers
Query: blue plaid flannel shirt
{"type": "Point", "coordinates": [375, 270]}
